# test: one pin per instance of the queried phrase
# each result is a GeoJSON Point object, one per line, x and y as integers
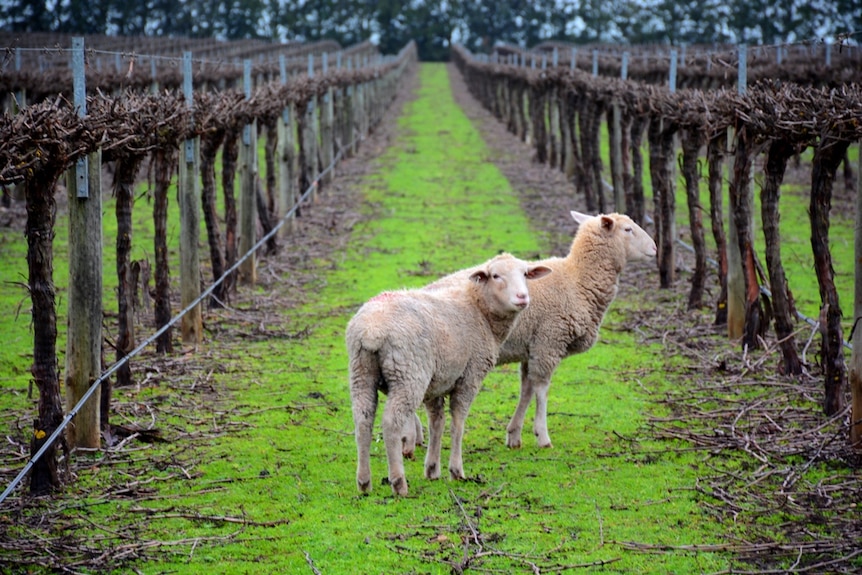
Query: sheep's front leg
{"type": "Point", "coordinates": [436, 421]}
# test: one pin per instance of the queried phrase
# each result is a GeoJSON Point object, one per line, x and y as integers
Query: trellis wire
{"type": "Point", "coordinates": [110, 371]}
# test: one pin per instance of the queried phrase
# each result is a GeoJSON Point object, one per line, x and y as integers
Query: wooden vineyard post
{"type": "Point", "coordinates": [661, 136]}
{"type": "Point", "coordinates": [566, 115]}
{"type": "Point", "coordinates": [84, 334]}
{"type": "Point", "coordinates": [350, 115]}
{"type": "Point", "coordinates": [189, 204]}
{"type": "Point", "coordinates": [309, 140]}
{"type": "Point", "coordinates": [326, 132]}
{"type": "Point", "coordinates": [559, 145]}
{"type": "Point", "coordinates": [361, 117]}
{"type": "Point", "coordinates": [615, 131]}
{"type": "Point", "coordinates": [339, 143]}
{"type": "Point", "coordinates": [248, 191]}
{"type": "Point", "coordinates": [856, 356]}
{"type": "Point", "coordinates": [735, 277]}
{"type": "Point", "coordinates": [286, 155]}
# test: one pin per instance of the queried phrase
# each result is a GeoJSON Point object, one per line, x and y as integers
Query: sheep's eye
{"type": "Point", "coordinates": [496, 276]}
{"type": "Point", "coordinates": [629, 230]}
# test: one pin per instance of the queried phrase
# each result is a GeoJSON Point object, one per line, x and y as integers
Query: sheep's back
{"type": "Point", "coordinates": [436, 333]}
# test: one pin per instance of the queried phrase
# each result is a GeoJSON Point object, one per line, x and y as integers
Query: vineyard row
{"type": "Point", "coordinates": [308, 121]}
{"type": "Point", "coordinates": [560, 112]}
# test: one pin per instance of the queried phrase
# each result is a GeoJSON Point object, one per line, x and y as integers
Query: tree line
{"type": "Point", "coordinates": [436, 24]}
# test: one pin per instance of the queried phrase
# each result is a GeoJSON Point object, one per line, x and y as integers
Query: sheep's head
{"type": "Point", "coordinates": [505, 279]}
{"type": "Point", "coordinates": [639, 246]}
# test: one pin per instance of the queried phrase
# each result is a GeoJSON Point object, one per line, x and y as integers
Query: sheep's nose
{"type": "Point", "coordinates": [522, 300]}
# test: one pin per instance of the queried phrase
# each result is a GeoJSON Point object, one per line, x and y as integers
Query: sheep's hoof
{"type": "Point", "coordinates": [407, 454]}
{"type": "Point", "coordinates": [432, 471]}
{"type": "Point", "coordinates": [364, 486]}
{"type": "Point", "coordinates": [457, 474]}
{"type": "Point", "coordinates": [399, 486]}
{"type": "Point", "coordinates": [513, 443]}
{"type": "Point", "coordinates": [544, 442]}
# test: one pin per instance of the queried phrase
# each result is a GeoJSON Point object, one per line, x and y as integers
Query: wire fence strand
{"type": "Point", "coordinates": [206, 293]}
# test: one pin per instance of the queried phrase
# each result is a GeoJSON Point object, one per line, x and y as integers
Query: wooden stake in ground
{"type": "Point", "coordinates": [856, 357]}
{"type": "Point", "coordinates": [188, 183]}
{"type": "Point", "coordinates": [84, 335]}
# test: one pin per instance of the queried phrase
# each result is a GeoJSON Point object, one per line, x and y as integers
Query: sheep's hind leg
{"type": "Point", "coordinates": [395, 416]}
{"type": "Point", "coordinates": [363, 393]}
{"type": "Point", "coordinates": [540, 383]}
{"type": "Point", "coordinates": [540, 423]}
{"type": "Point", "coordinates": [516, 424]}
{"type": "Point", "coordinates": [459, 407]}
{"type": "Point", "coordinates": [436, 421]}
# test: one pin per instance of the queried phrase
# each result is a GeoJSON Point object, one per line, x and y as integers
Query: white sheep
{"type": "Point", "coordinates": [420, 346]}
{"type": "Point", "coordinates": [567, 309]}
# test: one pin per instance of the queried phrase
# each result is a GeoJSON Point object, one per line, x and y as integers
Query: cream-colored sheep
{"type": "Point", "coordinates": [567, 309]}
{"type": "Point", "coordinates": [421, 346]}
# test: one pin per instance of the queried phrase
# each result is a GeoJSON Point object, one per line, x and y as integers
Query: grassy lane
{"type": "Point", "coordinates": [258, 475]}
{"type": "Point", "coordinates": [436, 204]}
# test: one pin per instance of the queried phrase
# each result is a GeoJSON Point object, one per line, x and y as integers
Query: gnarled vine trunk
{"type": "Point", "coordinates": [741, 208]}
{"type": "Point", "coordinates": [124, 184]}
{"type": "Point", "coordinates": [165, 164]}
{"type": "Point", "coordinates": [691, 143]}
{"type": "Point", "coordinates": [39, 193]}
{"type": "Point", "coordinates": [210, 144]}
{"type": "Point", "coordinates": [229, 156]}
{"type": "Point", "coordinates": [715, 160]}
{"type": "Point", "coordinates": [827, 158]}
{"type": "Point", "coordinates": [637, 206]}
{"type": "Point", "coordinates": [660, 138]}
{"type": "Point", "coordinates": [777, 155]}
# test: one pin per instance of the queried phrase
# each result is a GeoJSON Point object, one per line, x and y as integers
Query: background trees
{"type": "Point", "coordinates": [434, 24]}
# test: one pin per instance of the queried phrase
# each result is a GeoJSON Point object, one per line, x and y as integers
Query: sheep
{"type": "Point", "coordinates": [420, 347]}
{"type": "Point", "coordinates": [567, 309]}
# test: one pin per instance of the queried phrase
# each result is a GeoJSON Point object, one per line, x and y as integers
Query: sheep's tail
{"type": "Point", "coordinates": [365, 377]}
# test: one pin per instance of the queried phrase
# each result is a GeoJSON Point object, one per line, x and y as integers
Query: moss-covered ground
{"type": "Point", "coordinates": [260, 477]}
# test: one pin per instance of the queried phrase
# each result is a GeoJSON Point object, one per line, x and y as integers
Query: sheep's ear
{"type": "Point", "coordinates": [608, 223]}
{"type": "Point", "coordinates": [537, 272]}
{"type": "Point", "coordinates": [579, 217]}
{"type": "Point", "coordinates": [479, 277]}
